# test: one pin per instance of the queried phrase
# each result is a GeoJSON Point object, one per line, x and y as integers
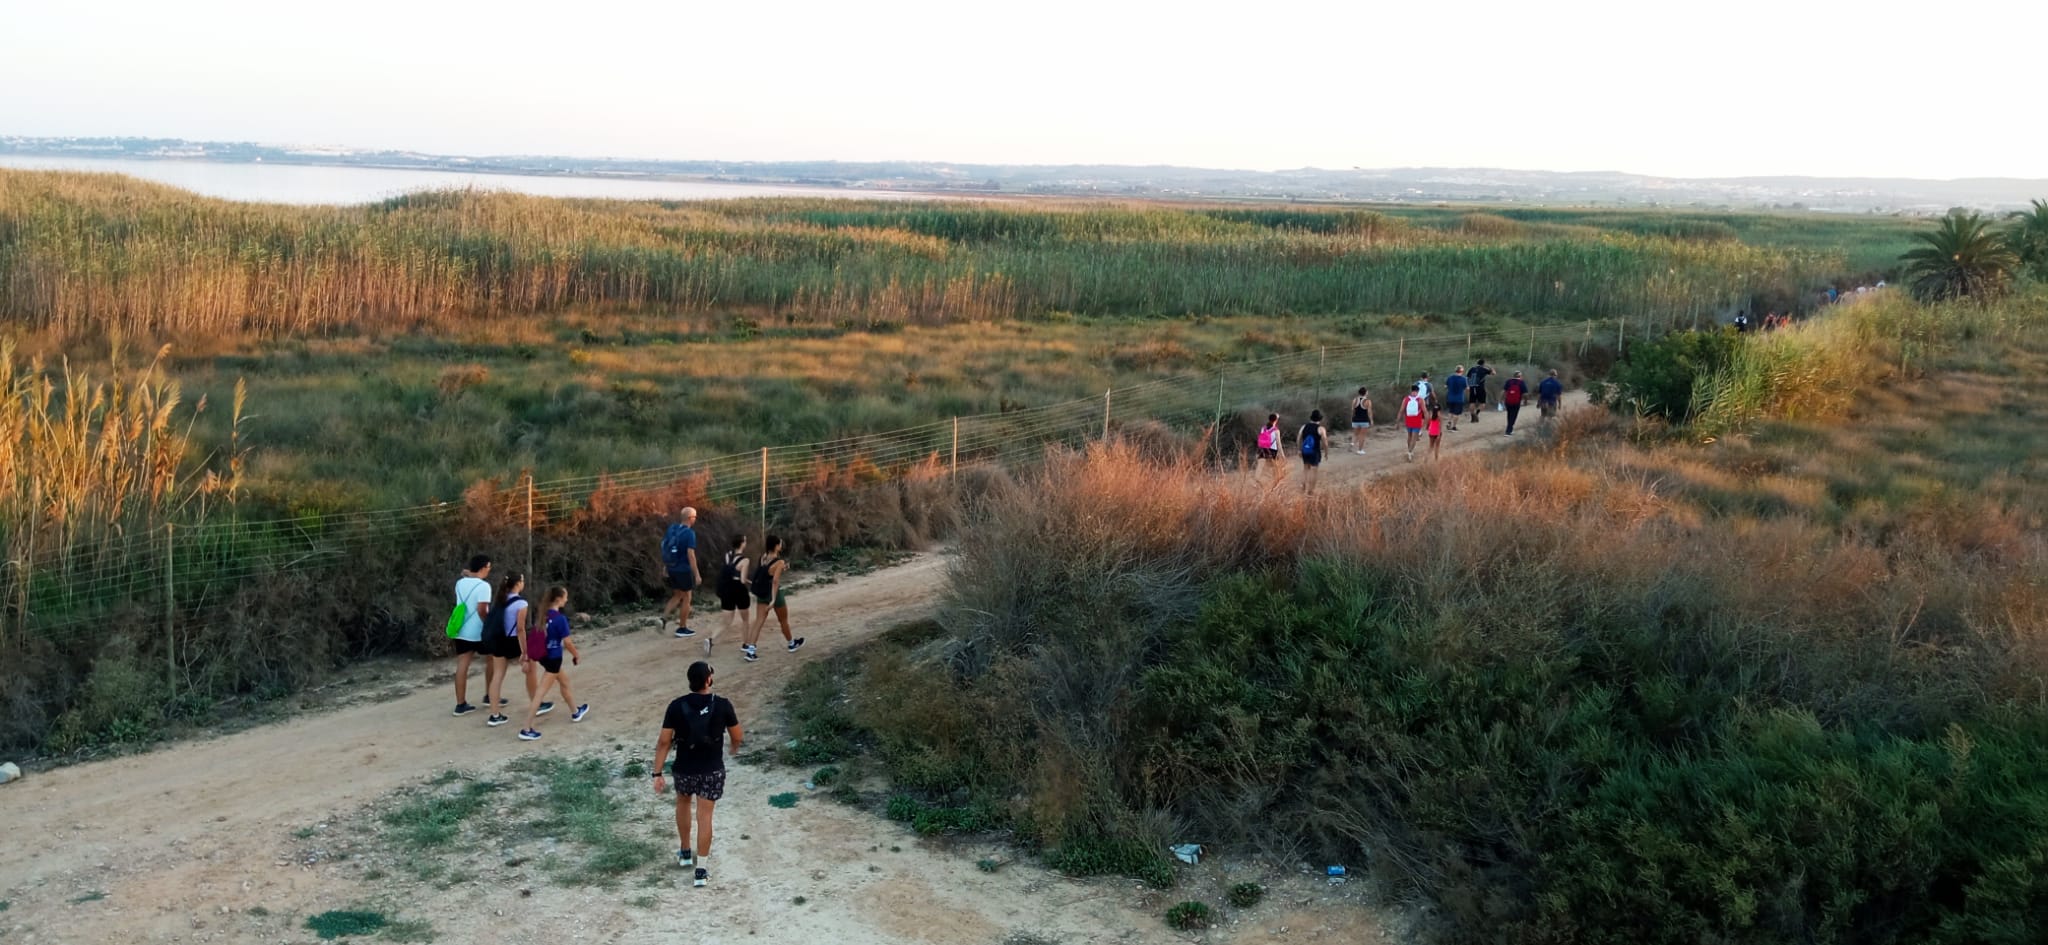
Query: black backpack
{"type": "Point", "coordinates": [702, 732]}
{"type": "Point", "coordinates": [729, 579]}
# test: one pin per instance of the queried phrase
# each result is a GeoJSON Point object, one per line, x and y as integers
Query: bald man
{"type": "Point", "coordinates": [679, 556]}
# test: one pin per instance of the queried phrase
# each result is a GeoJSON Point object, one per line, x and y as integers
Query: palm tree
{"type": "Point", "coordinates": [2029, 237]}
{"type": "Point", "coordinates": [1963, 258]}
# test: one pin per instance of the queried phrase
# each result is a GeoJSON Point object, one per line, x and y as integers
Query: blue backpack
{"type": "Point", "coordinates": [1309, 442]}
{"type": "Point", "coordinates": [672, 550]}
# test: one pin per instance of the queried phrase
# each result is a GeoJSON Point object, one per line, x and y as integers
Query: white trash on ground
{"type": "Point", "coordinates": [9, 771]}
{"type": "Point", "coordinates": [1189, 853]}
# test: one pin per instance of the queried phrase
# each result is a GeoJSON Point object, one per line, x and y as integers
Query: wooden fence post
{"type": "Point", "coordinates": [956, 449]}
{"type": "Point", "coordinates": [764, 497]}
{"type": "Point", "coordinates": [1105, 416]}
{"type": "Point", "coordinates": [170, 612]}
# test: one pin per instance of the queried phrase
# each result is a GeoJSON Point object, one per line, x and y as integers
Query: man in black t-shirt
{"type": "Point", "coordinates": [697, 725]}
{"type": "Point", "coordinates": [1476, 389]}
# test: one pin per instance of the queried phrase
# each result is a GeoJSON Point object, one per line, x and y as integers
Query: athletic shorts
{"type": "Point", "coordinates": [1312, 460]}
{"type": "Point", "coordinates": [1478, 396]}
{"type": "Point", "coordinates": [551, 664]}
{"type": "Point", "coordinates": [1360, 424]}
{"type": "Point", "coordinates": [1455, 406]}
{"type": "Point", "coordinates": [1414, 431]}
{"type": "Point", "coordinates": [1266, 452]}
{"type": "Point", "coordinates": [502, 646]}
{"type": "Point", "coordinates": [1550, 410]}
{"type": "Point", "coordinates": [781, 599]}
{"type": "Point", "coordinates": [479, 647]}
{"type": "Point", "coordinates": [682, 581]}
{"type": "Point", "coordinates": [732, 598]}
{"type": "Point", "coordinates": [710, 785]}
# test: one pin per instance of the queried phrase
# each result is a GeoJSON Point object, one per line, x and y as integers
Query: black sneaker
{"type": "Point", "coordinates": [545, 708]}
{"type": "Point", "coordinates": [683, 632]}
{"type": "Point", "coordinates": [796, 644]}
{"type": "Point", "coordinates": [504, 701]}
{"type": "Point", "coordinates": [685, 858]}
{"type": "Point", "coordinates": [464, 708]}
{"type": "Point", "coordinates": [496, 720]}
{"type": "Point", "coordinates": [703, 878]}
{"type": "Point", "coordinates": [750, 653]}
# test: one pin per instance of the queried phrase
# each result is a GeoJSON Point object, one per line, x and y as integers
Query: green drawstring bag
{"type": "Point", "coordinates": [456, 618]}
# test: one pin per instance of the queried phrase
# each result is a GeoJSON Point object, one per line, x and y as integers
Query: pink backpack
{"type": "Point", "coordinates": [1269, 438]}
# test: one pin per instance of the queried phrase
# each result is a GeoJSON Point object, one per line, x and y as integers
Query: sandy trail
{"type": "Point", "coordinates": [184, 841]}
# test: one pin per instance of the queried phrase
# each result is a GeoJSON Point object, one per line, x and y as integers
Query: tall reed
{"type": "Point", "coordinates": [81, 254]}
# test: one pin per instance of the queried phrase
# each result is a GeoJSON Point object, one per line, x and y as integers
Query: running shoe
{"type": "Point", "coordinates": [464, 708]}
{"type": "Point", "coordinates": [703, 878]}
{"type": "Point", "coordinates": [545, 708]}
{"type": "Point", "coordinates": [749, 653]}
{"type": "Point", "coordinates": [685, 858]}
{"type": "Point", "coordinates": [796, 644]}
{"type": "Point", "coordinates": [581, 711]}
{"type": "Point", "coordinates": [683, 632]}
{"type": "Point", "coordinates": [504, 701]}
{"type": "Point", "coordinates": [528, 735]}
{"type": "Point", "coordinates": [496, 720]}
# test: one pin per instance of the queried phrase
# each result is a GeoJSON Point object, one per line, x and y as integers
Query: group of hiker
{"type": "Point", "coordinates": [501, 625]}
{"type": "Point", "coordinates": [1423, 411]}
{"type": "Point", "coordinates": [1772, 321]}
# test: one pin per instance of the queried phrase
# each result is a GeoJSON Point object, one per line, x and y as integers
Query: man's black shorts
{"type": "Point", "coordinates": [479, 647]}
{"type": "Point", "coordinates": [682, 580]}
{"type": "Point", "coordinates": [710, 785]}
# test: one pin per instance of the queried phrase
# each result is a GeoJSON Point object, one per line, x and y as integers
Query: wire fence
{"type": "Point", "coordinates": [172, 573]}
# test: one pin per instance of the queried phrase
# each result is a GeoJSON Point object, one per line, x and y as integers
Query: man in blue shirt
{"type": "Point", "coordinates": [1547, 394]}
{"type": "Point", "coordinates": [1455, 387]}
{"type": "Point", "coordinates": [679, 556]}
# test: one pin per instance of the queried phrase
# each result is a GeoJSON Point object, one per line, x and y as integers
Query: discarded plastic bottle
{"type": "Point", "coordinates": [1335, 871]}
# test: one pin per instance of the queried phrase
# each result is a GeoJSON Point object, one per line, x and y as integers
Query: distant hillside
{"type": "Point", "coordinates": [1404, 185]}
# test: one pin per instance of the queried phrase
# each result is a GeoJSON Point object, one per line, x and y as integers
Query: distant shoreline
{"type": "Point", "coordinates": [1411, 186]}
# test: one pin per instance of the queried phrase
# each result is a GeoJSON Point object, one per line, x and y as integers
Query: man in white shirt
{"type": "Point", "coordinates": [473, 594]}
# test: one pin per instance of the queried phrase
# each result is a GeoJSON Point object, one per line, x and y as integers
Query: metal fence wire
{"type": "Point", "coordinates": [173, 572]}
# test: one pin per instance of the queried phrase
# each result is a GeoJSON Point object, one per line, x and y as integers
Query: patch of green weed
{"type": "Point", "coordinates": [342, 923]}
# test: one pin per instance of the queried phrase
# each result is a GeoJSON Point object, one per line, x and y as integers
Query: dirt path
{"type": "Point", "coordinates": [208, 840]}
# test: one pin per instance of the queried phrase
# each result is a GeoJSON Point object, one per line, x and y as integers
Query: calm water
{"type": "Point", "coordinates": [284, 183]}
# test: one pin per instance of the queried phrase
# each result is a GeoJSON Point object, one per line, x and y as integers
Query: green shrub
{"type": "Point", "coordinates": [1111, 856]}
{"type": "Point", "coordinates": [1189, 916]}
{"type": "Point", "coordinates": [1659, 377]}
{"type": "Point", "coordinates": [1246, 895]}
{"type": "Point", "coordinates": [340, 923]}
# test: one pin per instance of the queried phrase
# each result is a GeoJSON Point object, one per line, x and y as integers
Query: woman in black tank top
{"type": "Point", "coordinates": [770, 597]}
{"type": "Point", "coordinates": [732, 590]}
{"type": "Point", "coordinates": [1361, 419]}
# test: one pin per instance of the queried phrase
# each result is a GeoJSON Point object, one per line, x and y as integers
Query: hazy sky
{"type": "Point", "coordinates": [1876, 87]}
